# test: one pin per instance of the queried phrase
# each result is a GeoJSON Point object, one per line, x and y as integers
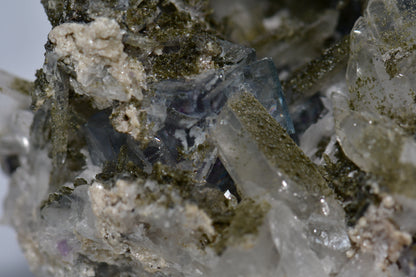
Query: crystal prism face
{"type": "Point", "coordinates": [379, 106]}
{"type": "Point", "coordinates": [180, 114]}
{"type": "Point", "coordinates": [155, 147]}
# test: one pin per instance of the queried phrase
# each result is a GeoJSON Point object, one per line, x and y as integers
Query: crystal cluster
{"type": "Point", "coordinates": [156, 146]}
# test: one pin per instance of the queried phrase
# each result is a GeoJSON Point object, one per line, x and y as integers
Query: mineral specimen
{"type": "Point", "coordinates": [156, 146]}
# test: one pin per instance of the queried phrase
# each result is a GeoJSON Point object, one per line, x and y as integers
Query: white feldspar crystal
{"type": "Point", "coordinates": [123, 219]}
{"type": "Point", "coordinates": [376, 233]}
{"type": "Point", "coordinates": [127, 121]}
{"type": "Point", "coordinates": [363, 265]}
{"type": "Point", "coordinates": [96, 50]}
{"type": "Point", "coordinates": [140, 122]}
{"type": "Point", "coordinates": [379, 238]}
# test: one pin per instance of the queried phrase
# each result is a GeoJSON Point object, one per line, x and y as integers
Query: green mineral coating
{"type": "Point", "coordinates": [79, 182]}
{"type": "Point", "coordinates": [364, 83]}
{"type": "Point", "coordinates": [391, 66]}
{"type": "Point", "coordinates": [276, 145]}
{"type": "Point", "coordinates": [184, 41]}
{"type": "Point", "coordinates": [68, 115]}
{"type": "Point", "coordinates": [80, 108]}
{"type": "Point", "coordinates": [231, 224]}
{"type": "Point", "coordinates": [245, 221]}
{"type": "Point", "coordinates": [62, 127]}
{"type": "Point", "coordinates": [55, 197]}
{"type": "Point", "coordinates": [122, 159]}
{"type": "Point", "coordinates": [354, 191]}
{"type": "Point", "coordinates": [395, 37]}
{"type": "Point", "coordinates": [140, 13]}
{"type": "Point", "coordinates": [164, 174]}
{"type": "Point", "coordinates": [210, 200]}
{"type": "Point", "coordinates": [22, 86]}
{"type": "Point", "coordinates": [397, 176]}
{"type": "Point", "coordinates": [107, 174]}
{"type": "Point", "coordinates": [54, 11]}
{"type": "Point", "coordinates": [322, 146]}
{"type": "Point", "coordinates": [305, 81]}
{"type": "Point", "coordinates": [123, 167]}
{"type": "Point", "coordinates": [63, 191]}
{"type": "Point", "coordinates": [41, 87]}
{"type": "Point", "coordinates": [177, 64]}
{"type": "Point", "coordinates": [58, 127]}
{"type": "Point", "coordinates": [61, 11]}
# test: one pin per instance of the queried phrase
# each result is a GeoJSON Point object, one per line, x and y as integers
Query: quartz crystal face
{"type": "Point", "coordinates": [156, 140]}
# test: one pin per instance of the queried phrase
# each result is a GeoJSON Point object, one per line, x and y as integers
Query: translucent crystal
{"type": "Point", "coordinates": [258, 155]}
{"type": "Point", "coordinates": [15, 116]}
{"type": "Point", "coordinates": [377, 145]}
{"type": "Point", "coordinates": [269, 27]}
{"type": "Point", "coordinates": [181, 111]}
{"type": "Point", "coordinates": [379, 74]}
{"type": "Point", "coordinates": [375, 118]}
{"type": "Point", "coordinates": [243, 129]}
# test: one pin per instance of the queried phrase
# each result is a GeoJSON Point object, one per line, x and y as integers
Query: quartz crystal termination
{"type": "Point", "coordinates": [366, 130]}
{"type": "Point", "coordinates": [374, 114]}
{"type": "Point", "coordinates": [267, 164]}
{"type": "Point", "coordinates": [379, 107]}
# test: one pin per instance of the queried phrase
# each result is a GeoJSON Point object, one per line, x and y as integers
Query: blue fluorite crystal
{"type": "Point", "coordinates": [191, 107]}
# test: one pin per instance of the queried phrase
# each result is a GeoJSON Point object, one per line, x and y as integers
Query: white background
{"type": "Point", "coordinates": [23, 33]}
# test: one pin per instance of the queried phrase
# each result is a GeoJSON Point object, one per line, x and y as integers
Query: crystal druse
{"type": "Point", "coordinates": [154, 146]}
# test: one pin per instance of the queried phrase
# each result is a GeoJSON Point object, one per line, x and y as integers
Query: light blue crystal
{"type": "Point", "coordinates": [205, 95]}
{"type": "Point", "coordinates": [261, 79]}
{"type": "Point", "coordinates": [192, 106]}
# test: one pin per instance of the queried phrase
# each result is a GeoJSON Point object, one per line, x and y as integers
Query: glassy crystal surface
{"type": "Point", "coordinates": [374, 116]}
{"type": "Point", "coordinates": [157, 146]}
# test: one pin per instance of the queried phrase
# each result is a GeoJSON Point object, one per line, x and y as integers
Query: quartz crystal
{"type": "Point", "coordinates": [159, 141]}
